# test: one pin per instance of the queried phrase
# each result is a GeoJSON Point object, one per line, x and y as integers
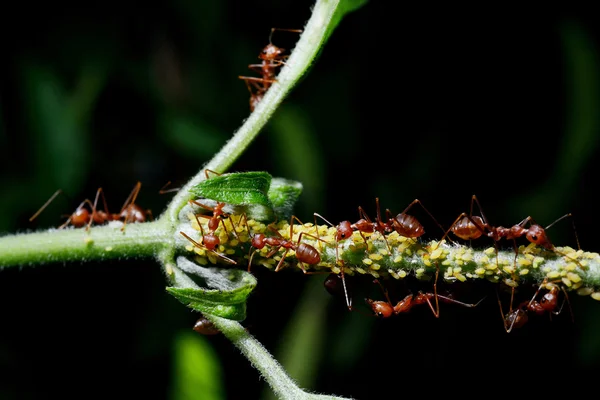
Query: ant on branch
{"type": "Point", "coordinates": [130, 212]}
{"type": "Point", "coordinates": [548, 303]}
{"type": "Point", "coordinates": [470, 227]}
{"type": "Point", "coordinates": [272, 58]}
{"type": "Point", "coordinates": [404, 224]}
{"type": "Point", "coordinates": [210, 240]}
{"type": "Point", "coordinates": [305, 253]}
{"type": "Point", "coordinates": [386, 309]}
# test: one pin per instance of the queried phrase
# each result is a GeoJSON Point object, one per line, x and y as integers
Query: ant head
{"type": "Point", "coordinates": [258, 240]}
{"type": "Point", "coordinates": [536, 234]}
{"type": "Point", "coordinates": [271, 52]}
{"type": "Point", "coordinates": [515, 319]}
{"type": "Point", "coordinates": [344, 231]}
{"type": "Point", "coordinates": [550, 299]}
{"type": "Point", "coordinates": [380, 308]}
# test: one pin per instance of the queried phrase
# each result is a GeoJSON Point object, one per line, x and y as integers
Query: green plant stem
{"type": "Point", "coordinates": [301, 58]}
{"type": "Point", "coordinates": [100, 243]}
{"type": "Point", "coordinates": [283, 386]}
{"type": "Point", "coordinates": [158, 238]}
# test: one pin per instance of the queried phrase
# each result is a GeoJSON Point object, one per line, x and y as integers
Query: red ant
{"type": "Point", "coordinates": [272, 58]}
{"type": "Point", "coordinates": [305, 253]}
{"type": "Point", "coordinates": [469, 227]}
{"type": "Point", "coordinates": [210, 241]}
{"type": "Point", "coordinates": [404, 224]}
{"type": "Point", "coordinates": [386, 309]}
{"type": "Point", "coordinates": [130, 212]}
{"type": "Point", "coordinates": [548, 303]}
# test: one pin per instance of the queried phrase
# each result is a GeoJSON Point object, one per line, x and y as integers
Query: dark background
{"type": "Point", "coordinates": [404, 102]}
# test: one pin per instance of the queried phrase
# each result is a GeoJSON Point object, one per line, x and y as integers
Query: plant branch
{"type": "Point", "coordinates": [99, 243]}
{"type": "Point", "coordinates": [310, 43]}
{"type": "Point", "coordinates": [283, 386]}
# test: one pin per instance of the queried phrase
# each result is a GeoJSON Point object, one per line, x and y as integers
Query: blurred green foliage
{"type": "Point", "coordinates": [405, 102]}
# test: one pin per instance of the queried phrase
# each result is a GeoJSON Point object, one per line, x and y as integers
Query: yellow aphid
{"type": "Point", "coordinates": [586, 291]}
{"type": "Point", "coordinates": [573, 277]}
{"type": "Point", "coordinates": [553, 274]}
{"type": "Point", "coordinates": [436, 253]}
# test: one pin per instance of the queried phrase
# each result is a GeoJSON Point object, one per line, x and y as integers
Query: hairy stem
{"type": "Point", "coordinates": [99, 243]}
{"type": "Point", "coordinates": [301, 58]}
{"type": "Point", "coordinates": [283, 386]}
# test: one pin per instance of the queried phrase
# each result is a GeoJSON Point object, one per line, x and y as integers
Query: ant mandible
{"type": "Point", "coordinates": [272, 58]}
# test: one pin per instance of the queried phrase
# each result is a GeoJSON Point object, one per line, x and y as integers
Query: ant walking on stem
{"type": "Point", "coordinates": [403, 223]}
{"type": "Point", "coordinates": [386, 309]}
{"type": "Point", "coordinates": [272, 58]}
{"type": "Point", "coordinates": [549, 302]}
{"type": "Point", "coordinates": [305, 253]}
{"type": "Point", "coordinates": [130, 212]}
{"type": "Point", "coordinates": [210, 240]}
{"type": "Point", "coordinates": [470, 227]}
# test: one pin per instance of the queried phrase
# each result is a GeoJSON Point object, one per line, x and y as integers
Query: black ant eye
{"type": "Point", "coordinates": [535, 238]}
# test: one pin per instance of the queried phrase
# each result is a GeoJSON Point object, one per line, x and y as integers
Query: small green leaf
{"type": "Point", "coordinates": [241, 188]}
{"type": "Point", "coordinates": [283, 194]}
{"type": "Point", "coordinates": [225, 293]}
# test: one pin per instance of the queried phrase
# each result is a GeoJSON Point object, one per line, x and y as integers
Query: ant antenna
{"type": "Point", "coordinates": [34, 216]}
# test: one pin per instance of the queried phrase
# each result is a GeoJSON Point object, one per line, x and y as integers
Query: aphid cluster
{"type": "Point", "coordinates": [391, 246]}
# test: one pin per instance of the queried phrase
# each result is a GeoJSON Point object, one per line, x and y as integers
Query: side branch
{"type": "Point", "coordinates": [99, 243]}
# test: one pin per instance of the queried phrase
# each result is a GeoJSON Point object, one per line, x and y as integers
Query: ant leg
{"type": "Point", "coordinates": [206, 171]}
{"type": "Point", "coordinates": [254, 81]}
{"type": "Point", "coordinates": [337, 259]}
{"type": "Point", "coordinates": [98, 192]}
{"type": "Point", "coordinates": [164, 189]}
{"type": "Point", "coordinates": [417, 201]}
{"type": "Point", "coordinates": [130, 200]}
{"type": "Point", "coordinates": [568, 303]}
{"type": "Point", "coordinates": [70, 219]}
{"type": "Point", "coordinates": [197, 244]}
{"type": "Point", "coordinates": [132, 196]}
{"type": "Point", "coordinates": [510, 315]}
{"type": "Point", "coordinates": [280, 263]}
